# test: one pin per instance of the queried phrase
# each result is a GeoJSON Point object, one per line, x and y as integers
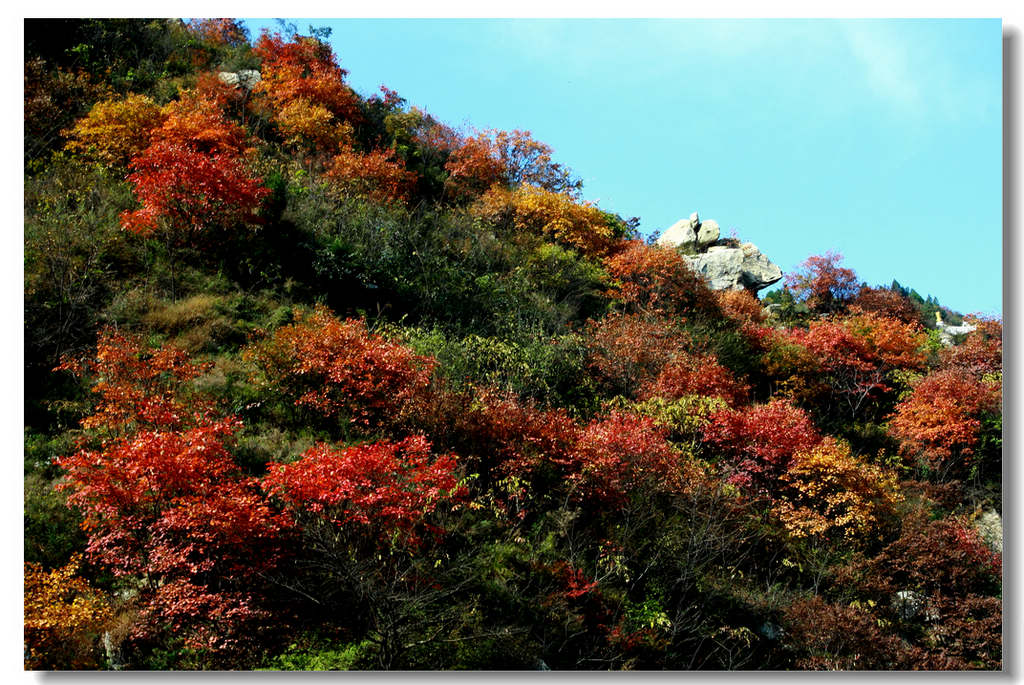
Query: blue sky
{"type": "Point", "coordinates": [880, 139]}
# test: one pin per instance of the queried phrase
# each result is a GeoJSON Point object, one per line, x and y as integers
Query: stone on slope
{"type": "Point", "coordinates": [707, 233]}
{"type": "Point", "coordinates": [758, 271]}
{"type": "Point", "coordinates": [735, 268]}
{"type": "Point", "coordinates": [679, 234]}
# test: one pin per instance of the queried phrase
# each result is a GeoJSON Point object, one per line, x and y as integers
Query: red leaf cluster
{"type": "Point", "coordinates": [630, 350]}
{"type": "Point", "coordinates": [761, 439]}
{"type": "Point", "coordinates": [194, 191]}
{"type": "Point", "coordinates": [339, 367]}
{"type": "Point", "coordinates": [193, 175]}
{"type": "Point", "coordinates": [139, 387]}
{"type": "Point", "coordinates": [304, 68]}
{"type": "Point", "coordinates": [500, 429]}
{"type": "Point", "coordinates": [376, 175]}
{"type": "Point", "coordinates": [696, 374]}
{"type": "Point", "coordinates": [171, 507]}
{"type": "Point", "coordinates": [822, 284]}
{"type": "Point", "coordinates": [624, 454]}
{"type": "Point", "coordinates": [385, 487]}
{"type": "Point", "coordinates": [941, 417]}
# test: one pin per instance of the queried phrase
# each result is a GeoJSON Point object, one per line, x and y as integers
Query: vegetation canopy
{"type": "Point", "coordinates": [316, 381]}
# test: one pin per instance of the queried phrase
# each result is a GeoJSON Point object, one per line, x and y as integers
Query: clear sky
{"type": "Point", "coordinates": [880, 139]}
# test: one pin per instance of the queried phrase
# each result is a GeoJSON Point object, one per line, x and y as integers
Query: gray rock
{"type": "Point", "coordinates": [758, 271]}
{"type": "Point", "coordinates": [735, 268]}
{"type": "Point", "coordinates": [679, 234]}
{"type": "Point", "coordinates": [990, 527]}
{"type": "Point", "coordinates": [247, 78]}
{"type": "Point", "coordinates": [720, 266]}
{"type": "Point", "coordinates": [723, 266]}
{"type": "Point", "coordinates": [707, 233]}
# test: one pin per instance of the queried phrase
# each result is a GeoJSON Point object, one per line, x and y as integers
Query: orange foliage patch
{"type": "Point", "coordinates": [377, 175]}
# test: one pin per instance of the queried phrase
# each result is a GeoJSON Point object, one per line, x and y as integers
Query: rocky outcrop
{"type": "Point", "coordinates": [725, 264]}
{"type": "Point", "coordinates": [247, 78]}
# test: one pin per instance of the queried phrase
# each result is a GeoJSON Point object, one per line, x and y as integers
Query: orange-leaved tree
{"type": "Point", "coordinates": [655, 279]}
{"type": "Point", "coordinates": [827, 491]}
{"type": "Point", "coordinates": [304, 68]}
{"type": "Point", "coordinates": [942, 418]}
{"type": "Point", "coordinates": [377, 175]}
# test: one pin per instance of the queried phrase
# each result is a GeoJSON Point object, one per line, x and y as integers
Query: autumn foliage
{"type": "Point", "coordinates": [304, 69]}
{"type": "Point", "coordinates": [116, 131]}
{"type": "Point", "coordinates": [340, 386]}
{"type": "Point", "coordinates": [822, 284]}
{"type": "Point", "coordinates": [139, 387]}
{"type": "Point", "coordinates": [941, 419]}
{"type": "Point", "coordinates": [553, 215]}
{"type": "Point", "coordinates": [657, 280]}
{"type": "Point", "coordinates": [172, 507]}
{"type": "Point", "coordinates": [630, 351]}
{"type": "Point", "coordinates": [337, 367]}
{"type": "Point", "coordinates": [64, 617]}
{"type": "Point", "coordinates": [375, 175]}
{"type": "Point", "coordinates": [193, 177]}
{"type": "Point", "coordinates": [827, 491]}
{"type": "Point", "coordinates": [386, 489]}
{"type": "Point", "coordinates": [761, 440]}
{"type": "Point", "coordinates": [624, 455]}
{"type": "Point", "coordinates": [854, 357]}
{"type": "Point", "coordinates": [696, 374]}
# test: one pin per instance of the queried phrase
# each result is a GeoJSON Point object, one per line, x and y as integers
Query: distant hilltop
{"type": "Point", "coordinates": [726, 263]}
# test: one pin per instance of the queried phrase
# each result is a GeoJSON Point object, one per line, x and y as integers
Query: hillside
{"type": "Point", "coordinates": [316, 381]}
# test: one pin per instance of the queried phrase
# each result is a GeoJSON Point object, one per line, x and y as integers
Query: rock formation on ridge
{"type": "Point", "coordinates": [724, 263]}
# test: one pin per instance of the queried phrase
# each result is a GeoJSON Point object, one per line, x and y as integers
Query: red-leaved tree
{"type": "Point", "coordinates": [164, 505]}
{"type": "Point", "coordinates": [695, 374]}
{"type": "Point", "coordinates": [338, 367]}
{"type": "Point", "coordinates": [139, 387]}
{"type": "Point", "coordinates": [193, 177]}
{"type": "Point", "coordinates": [387, 490]}
{"type": "Point", "coordinates": [654, 279]}
{"type": "Point", "coordinates": [621, 455]}
{"type": "Point", "coordinates": [760, 440]}
{"type": "Point", "coordinates": [822, 284]}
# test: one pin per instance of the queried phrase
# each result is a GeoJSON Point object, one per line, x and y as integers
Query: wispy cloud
{"type": "Point", "coordinates": [885, 59]}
